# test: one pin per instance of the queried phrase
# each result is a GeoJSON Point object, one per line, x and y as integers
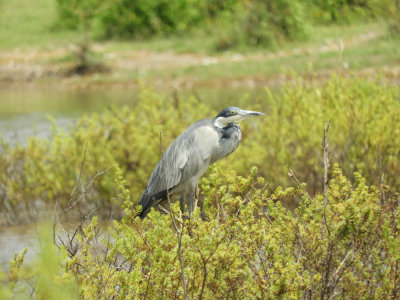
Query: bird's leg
{"type": "Point", "coordinates": [200, 203]}
{"type": "Point", "coordinates": [182, 202]}
{"type": "Point", "coordinates": [190, 208]}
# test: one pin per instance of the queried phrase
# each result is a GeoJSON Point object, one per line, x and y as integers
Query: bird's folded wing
{"type": "Point", "coordinates": [188, 155]}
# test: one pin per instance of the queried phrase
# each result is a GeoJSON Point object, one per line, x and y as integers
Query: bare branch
{"type": "Point", "coordinates": [247, 198]}
{"type": "Point", "coordinates": [328, 260]}
{"type": "Point", "coordinates": [205, 272]}
{"type": "Point", "coordinates": [325, 147]}
{"type": "Point", "coordinates": [381, 178]}
{"type": "Point", "coordinates": [291, 174]}
{"type": "Point", "coordinates": [178, 232]}
{"type": "Point", "coordinates": [340, 268]}
{"type": "Point", "coordinates": [159, 206]}
{"type": "Point", "coordinates": [36, 229]}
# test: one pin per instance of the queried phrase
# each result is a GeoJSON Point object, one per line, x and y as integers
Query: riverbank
{"type": "Point", "coordinates": [353, 50]}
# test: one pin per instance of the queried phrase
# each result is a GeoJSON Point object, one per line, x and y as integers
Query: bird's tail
{"type": "Point", "coordinates": [147, 201]}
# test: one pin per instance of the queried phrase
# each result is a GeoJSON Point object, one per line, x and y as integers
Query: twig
{"type": "Point", "coordinates": [81, 170]}
{"type": "Point", "coordinates": [36, 229]}
{"type": "Point", "coordinates": [58, 216]}
{"type": "Point", "coordinates": [247, 198]}
{"type": "Point", "coordinates": [174, 223]}
{"type": "Point", "coordinates": [328, 262]}
{"type": "Point", "coordinates": [381, 179]}
{"type": "Point", "coordinates": [33, 290]}
{"type": "Point", "coordinates": [79, 198]}
{"type": "Point", "coordinates": [342, 263]}
{"type": "Point", "coordinates": [325, 147]}
{"type": "Point", "coordinates": [291, 174]}
{"type": "Point", "coordinates": [159, 206]}
{"type": "Point", "coordinates": [55, 222]}
{"type": "Point", "coordinates": [205, 273]}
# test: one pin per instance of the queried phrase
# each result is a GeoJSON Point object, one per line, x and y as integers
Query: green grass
{"type": "Point", "coordinates": [31, 24]}
{"type": "Point", "coordinates": [376, 53]}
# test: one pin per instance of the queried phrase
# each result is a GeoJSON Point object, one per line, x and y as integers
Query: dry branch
{"type": "Point", "coordinates": [171, 214]}
{"type": "Point", "coordinates": [291, 174]}
{"type": "Point", "coordinates": [325, 146]}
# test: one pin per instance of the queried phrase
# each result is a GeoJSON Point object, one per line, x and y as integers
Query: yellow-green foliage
{"type": "Point", "coordinates": [249, 247]}
{"type": "Point", "coordinates": [365, 116]}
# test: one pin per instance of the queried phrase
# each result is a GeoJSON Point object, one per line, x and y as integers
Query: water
{"type": "Point", "coordinates": [13, 240]}
{"type": "Point", "coordinates": [24, 113]}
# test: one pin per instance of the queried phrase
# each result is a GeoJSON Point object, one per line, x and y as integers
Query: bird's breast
{"type": "Point", "coordinates": [207, 140]}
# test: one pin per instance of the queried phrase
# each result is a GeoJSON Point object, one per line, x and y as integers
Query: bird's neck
{"type": "Point", "coordinates": [223, 122]}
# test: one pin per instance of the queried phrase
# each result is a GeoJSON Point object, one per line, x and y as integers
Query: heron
{"type": "Point", "coordinates": [189, 156]}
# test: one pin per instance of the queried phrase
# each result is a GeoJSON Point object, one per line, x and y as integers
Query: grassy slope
{"type": "Point", "coordinates": [27, 25]}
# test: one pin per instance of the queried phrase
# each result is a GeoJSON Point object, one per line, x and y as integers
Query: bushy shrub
{"type": "Point", "coordinates": [339, 11]}
{"type": "Point", "coordinates": [76, 14]}
{"type": "Point", "coordinates": [127, 18]}
{"type": "Point", "coordinates": [249, 247]}
{"type": "Point", "coordinates": [390, 9]}
{"type": "Point", "coordinates": [263, 23]}
{"type": "Point", "coordinates": [256, 22]}
{"type": "Point", "coordinates": [138, 18]}
{"type": "Point", "coordinates": [230, 23]}
{"type": "Point", "coordinates": [365, 117]}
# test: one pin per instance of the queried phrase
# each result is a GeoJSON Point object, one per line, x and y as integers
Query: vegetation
{"type": "Point", "coordinates": [233, 22]}
{"type": "Point", "coordinates": [273, 225]}
{"type": "Point", "coordinates": [344, 244]}
{"type": "Point", "coordinates": [365, 126]}
{"type": "Point", "coordinates": [359, 46]}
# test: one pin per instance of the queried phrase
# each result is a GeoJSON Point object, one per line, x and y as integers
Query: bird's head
{"type": "Point", "coordinates": [232, 114]}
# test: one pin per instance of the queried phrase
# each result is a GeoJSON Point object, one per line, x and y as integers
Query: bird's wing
{"type": "Point", "coordinates": [186, 157]}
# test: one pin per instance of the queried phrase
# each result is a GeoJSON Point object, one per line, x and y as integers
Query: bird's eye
{"type": "Point", "coordinates": [232, 112]}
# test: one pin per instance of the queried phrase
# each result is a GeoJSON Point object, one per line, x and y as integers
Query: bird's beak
{"type": "Point", "coordinates": [248, 113]}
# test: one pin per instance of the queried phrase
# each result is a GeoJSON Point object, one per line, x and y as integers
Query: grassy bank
{"type": "Point", "coordinates": [42, 54]}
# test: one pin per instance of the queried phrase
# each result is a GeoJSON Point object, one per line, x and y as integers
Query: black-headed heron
{"type": "Point", "coordinates": [188, 157]}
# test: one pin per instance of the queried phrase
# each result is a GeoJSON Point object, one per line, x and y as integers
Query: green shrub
{"type": "Point", "coordinates": [78, 14]}
{"type": "Point", "coordinates": [365, 116]}
{"type": "Point", "coordinates": [339, 11]}
{"type": "Point", "coordinates": [256, 22]}
{"type": "Point", "coordinates": [232, 23]}
{"type": "Point", "coordinates": [126, 18]}
{"type": "Point", "coordinates": [390, 9]}
{"type": "Point", "coordinates": [249, 247]}
{"type": "Point", "coordinates": [262, 23]}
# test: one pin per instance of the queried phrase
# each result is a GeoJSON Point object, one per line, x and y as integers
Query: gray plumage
{"type": "Point", "coordinates": [188, 157]}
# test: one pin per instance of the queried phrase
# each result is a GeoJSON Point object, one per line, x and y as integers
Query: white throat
{"type": "Point", "coordinates": [221, 122]}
